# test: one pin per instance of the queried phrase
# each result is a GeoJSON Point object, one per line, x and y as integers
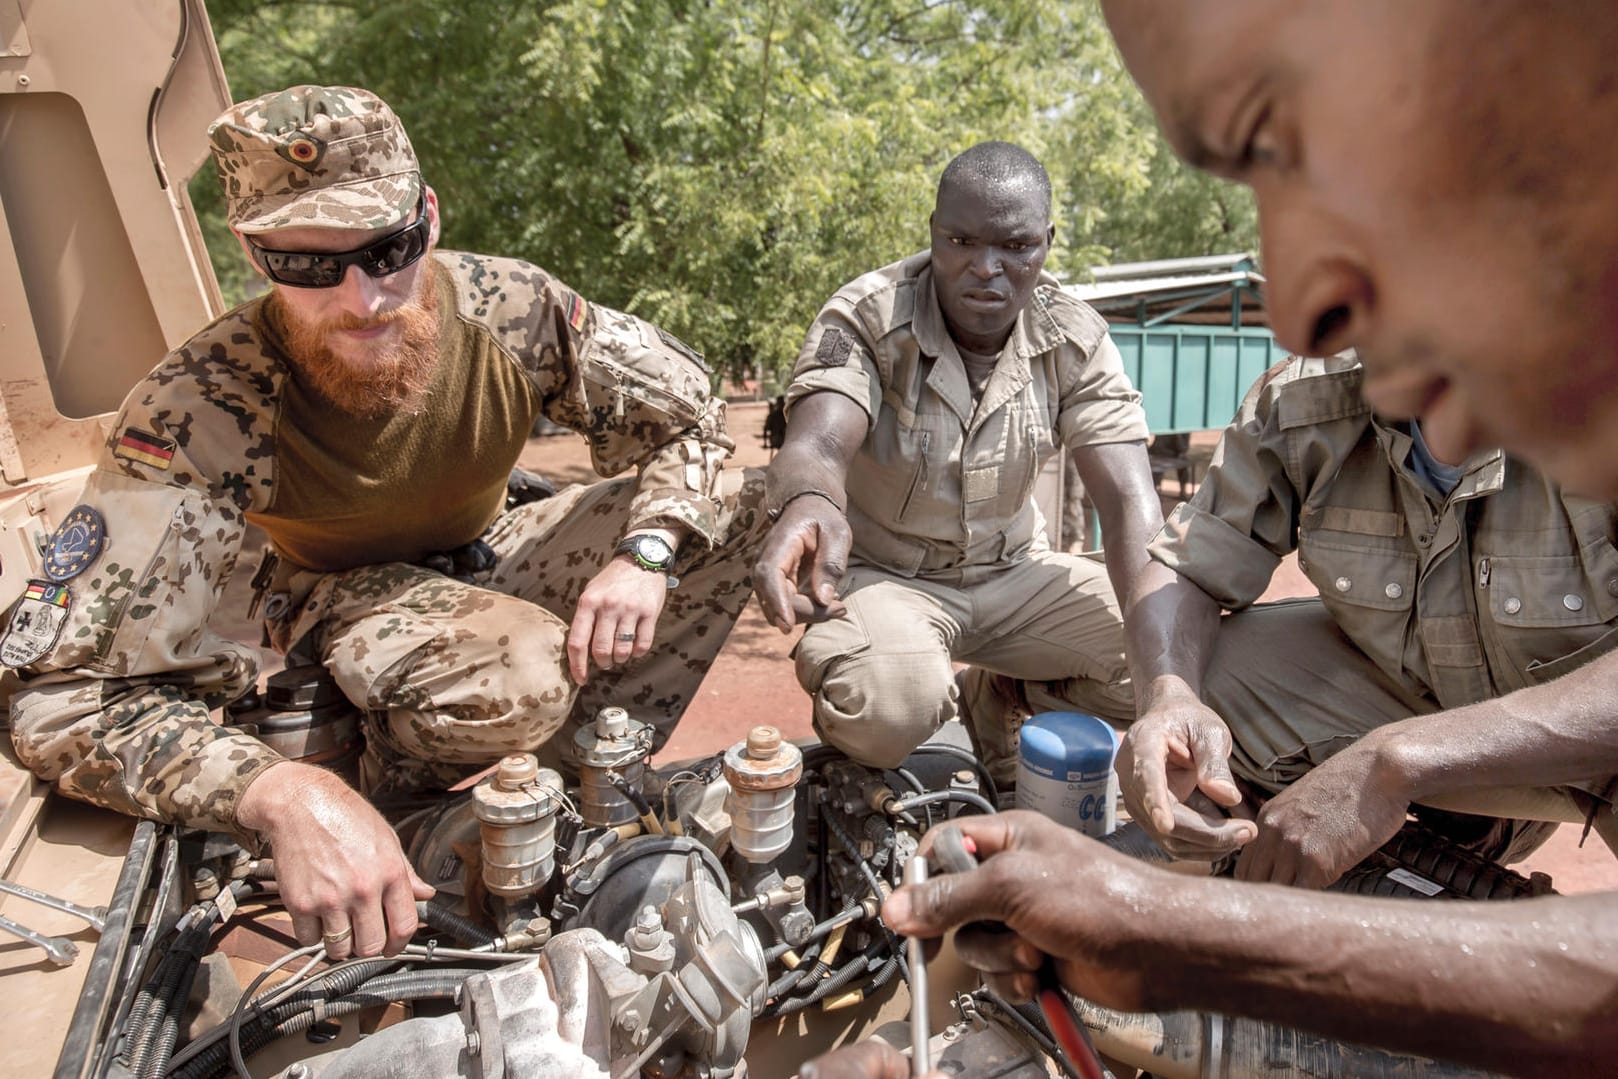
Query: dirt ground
{"type": "Point", "coordinates": [752, 682]}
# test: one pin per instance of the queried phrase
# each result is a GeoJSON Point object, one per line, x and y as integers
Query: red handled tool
{"type": "Point", "coordinates": [955, 852]}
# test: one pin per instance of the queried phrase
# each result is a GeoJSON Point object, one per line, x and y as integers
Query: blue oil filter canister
{"type": "Point", "coordinates": [1064, 770]}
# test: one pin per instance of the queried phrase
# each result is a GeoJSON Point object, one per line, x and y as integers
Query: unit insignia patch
{"type": "Point", "coordinates": [36, 623]}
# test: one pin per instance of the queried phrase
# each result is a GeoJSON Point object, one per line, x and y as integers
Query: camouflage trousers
{"type": "Point", "coordinates": [452, 676]}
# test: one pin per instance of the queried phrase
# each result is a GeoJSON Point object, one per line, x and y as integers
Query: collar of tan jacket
{"type": "Point", "coordinates": [1482, 473]}
{"type": "Point", "coordinates": [1035, 332]}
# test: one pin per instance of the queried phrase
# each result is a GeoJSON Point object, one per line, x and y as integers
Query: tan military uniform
{"type": "Point", "coordinates": [452, 675]}
{"type": "Point", "coordinates": [1426, 603]}
{"type": "Point", "coordinates": [950, 559]}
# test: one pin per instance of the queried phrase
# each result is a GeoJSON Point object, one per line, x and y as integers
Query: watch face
{"type": "Point", "coordinates": [653, 549]}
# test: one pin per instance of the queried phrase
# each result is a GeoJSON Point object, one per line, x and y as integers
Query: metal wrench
{"type": "Point", "coordinates": [920, 1027]}
{"type": "Point", "coordinates": [60, 950]}
{"type": "Point", "coordinates": [96, 916]}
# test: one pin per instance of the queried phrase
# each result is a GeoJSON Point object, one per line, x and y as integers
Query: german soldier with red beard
{"type": "Point", "coordinates": [366, 413]}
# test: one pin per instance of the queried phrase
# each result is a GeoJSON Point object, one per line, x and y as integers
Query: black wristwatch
{"type": "Point", "coordinates": [651, 552]}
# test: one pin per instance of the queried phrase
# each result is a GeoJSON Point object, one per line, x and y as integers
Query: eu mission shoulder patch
{"type": "Point", "coordinates": [36, 623]}
{"type": "Point", "coordinates": [145, 447]}
{"type": "Point", "coordinates": [75, 543]}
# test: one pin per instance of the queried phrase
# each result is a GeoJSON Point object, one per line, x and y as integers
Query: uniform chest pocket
{"type": "Point", "coordinates": [1544, 593]}
{"type": "Point", "coordinates": [1024, 447]}
{"type": "Point", "coordinates": [1039, 448]}
{"type": "Point", "coordinates": [919, 476]}
{"type": "Point", "coordinates": [1361, 576]}
{"type": "Point", "coordinates": [1549, 614]}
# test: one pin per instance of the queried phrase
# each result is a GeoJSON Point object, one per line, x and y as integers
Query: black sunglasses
{"type": "Point", "coordinates": [321, 269]}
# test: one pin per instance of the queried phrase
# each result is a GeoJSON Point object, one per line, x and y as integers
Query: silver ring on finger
{"type": "Point", "coordinates": [625, 638]}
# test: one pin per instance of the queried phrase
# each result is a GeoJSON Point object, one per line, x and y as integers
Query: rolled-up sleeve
{"type": "Point", "coordinates": [117, 713]}
{"type": "Point", "coordinates": [1231, 535]}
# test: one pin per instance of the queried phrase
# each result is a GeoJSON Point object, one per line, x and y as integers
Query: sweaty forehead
{"type": "Point", "coordinates": [981, 205]}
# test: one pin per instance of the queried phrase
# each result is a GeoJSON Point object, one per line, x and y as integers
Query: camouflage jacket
{"type": "Point", "coordinates": [1506, 582]}
{"type": "Point", "coordinates": [115, 706]}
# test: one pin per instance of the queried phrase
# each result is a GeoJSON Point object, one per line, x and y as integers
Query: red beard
{"type": "Point", "coordinates": [397, 373]}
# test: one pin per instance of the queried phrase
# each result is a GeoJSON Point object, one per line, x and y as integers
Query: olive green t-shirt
{"type": "Point", "coordinates": [353, 491]}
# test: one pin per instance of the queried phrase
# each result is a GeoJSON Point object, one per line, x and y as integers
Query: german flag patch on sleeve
{"type": "Point", "coordinates": [575, 311]}
{"type": "Point", "coordinates": [145, 447]}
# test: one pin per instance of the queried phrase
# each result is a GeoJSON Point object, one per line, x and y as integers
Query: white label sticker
{"type": "Point", "coordinates": [1411, 880]}
{"type": "Point", "coordinates": [226, 902]}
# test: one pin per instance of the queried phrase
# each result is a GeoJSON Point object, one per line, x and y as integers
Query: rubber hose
{"type": "Point", "coordinates": [965, 758]}
{"type": "Point", "coordinates": [853, 851]}
{"type": "Point", "coordinates": [791, 978]}
{"type": "Point", "coordinates": [462, 928]}
{"type": "Point", "coordinates": [338, 982]}
{"type": "Point", "coordinates": [910, 779]}
{"type": "Point", "coordinates": [976, 801]}
{"type": "Point", "coordinates": [179, 966]}
{"type": "Point", "coordinates": [292, 1016]}
{"type": "Point", "coordinates": [173, 1012]}
{"type": "Point", "coordinates": [1034, 1032]}
{"type": "Point", "coordinates": [860, 964]}
{"type": "Point", "coordinates": [886, 974]}
{"type": "Point", "coordinates": [138, 1033]}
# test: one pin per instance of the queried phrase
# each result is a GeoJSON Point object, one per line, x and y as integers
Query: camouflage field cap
{"type": "Point", "coordinates": [314, 157]}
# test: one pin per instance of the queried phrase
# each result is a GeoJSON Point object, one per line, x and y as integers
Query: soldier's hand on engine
{"type": "Point", "coordinates": [342, 874]}
{"type": "Point", "coordinates": [616, 620]}
{"type": "Point", "coordinates": [872, 1059]}
{"type": "Point", "coordinates": [1174, 776]}
{"type": "Point", "coordinates": [802, 563]}
{"type": "Point", "coordinates": [1060, 893]}
{"type": "Point", "coordinates": [1328, 821]}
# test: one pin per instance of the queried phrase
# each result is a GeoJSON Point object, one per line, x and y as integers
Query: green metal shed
{"type": "Point", "coordinates": [1193, 333]}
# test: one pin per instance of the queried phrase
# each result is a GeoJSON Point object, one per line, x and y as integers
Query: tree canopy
{"type": "Point", "coordinates": [721, 167]}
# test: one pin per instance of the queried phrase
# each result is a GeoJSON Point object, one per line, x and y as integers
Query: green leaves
{"type": "Point", "coordinates": [722, 166]}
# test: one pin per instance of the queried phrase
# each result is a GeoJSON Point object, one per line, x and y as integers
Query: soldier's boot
{"type": "Point", "coordinates": [993, 708]}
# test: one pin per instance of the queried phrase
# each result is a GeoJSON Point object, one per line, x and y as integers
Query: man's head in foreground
{"type": "Point", "coordinates": [991, 231]}
{"type": "Point", "coordinates": [1435, 185]}
{"type": "Point", "coordinates": [324, 193]}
